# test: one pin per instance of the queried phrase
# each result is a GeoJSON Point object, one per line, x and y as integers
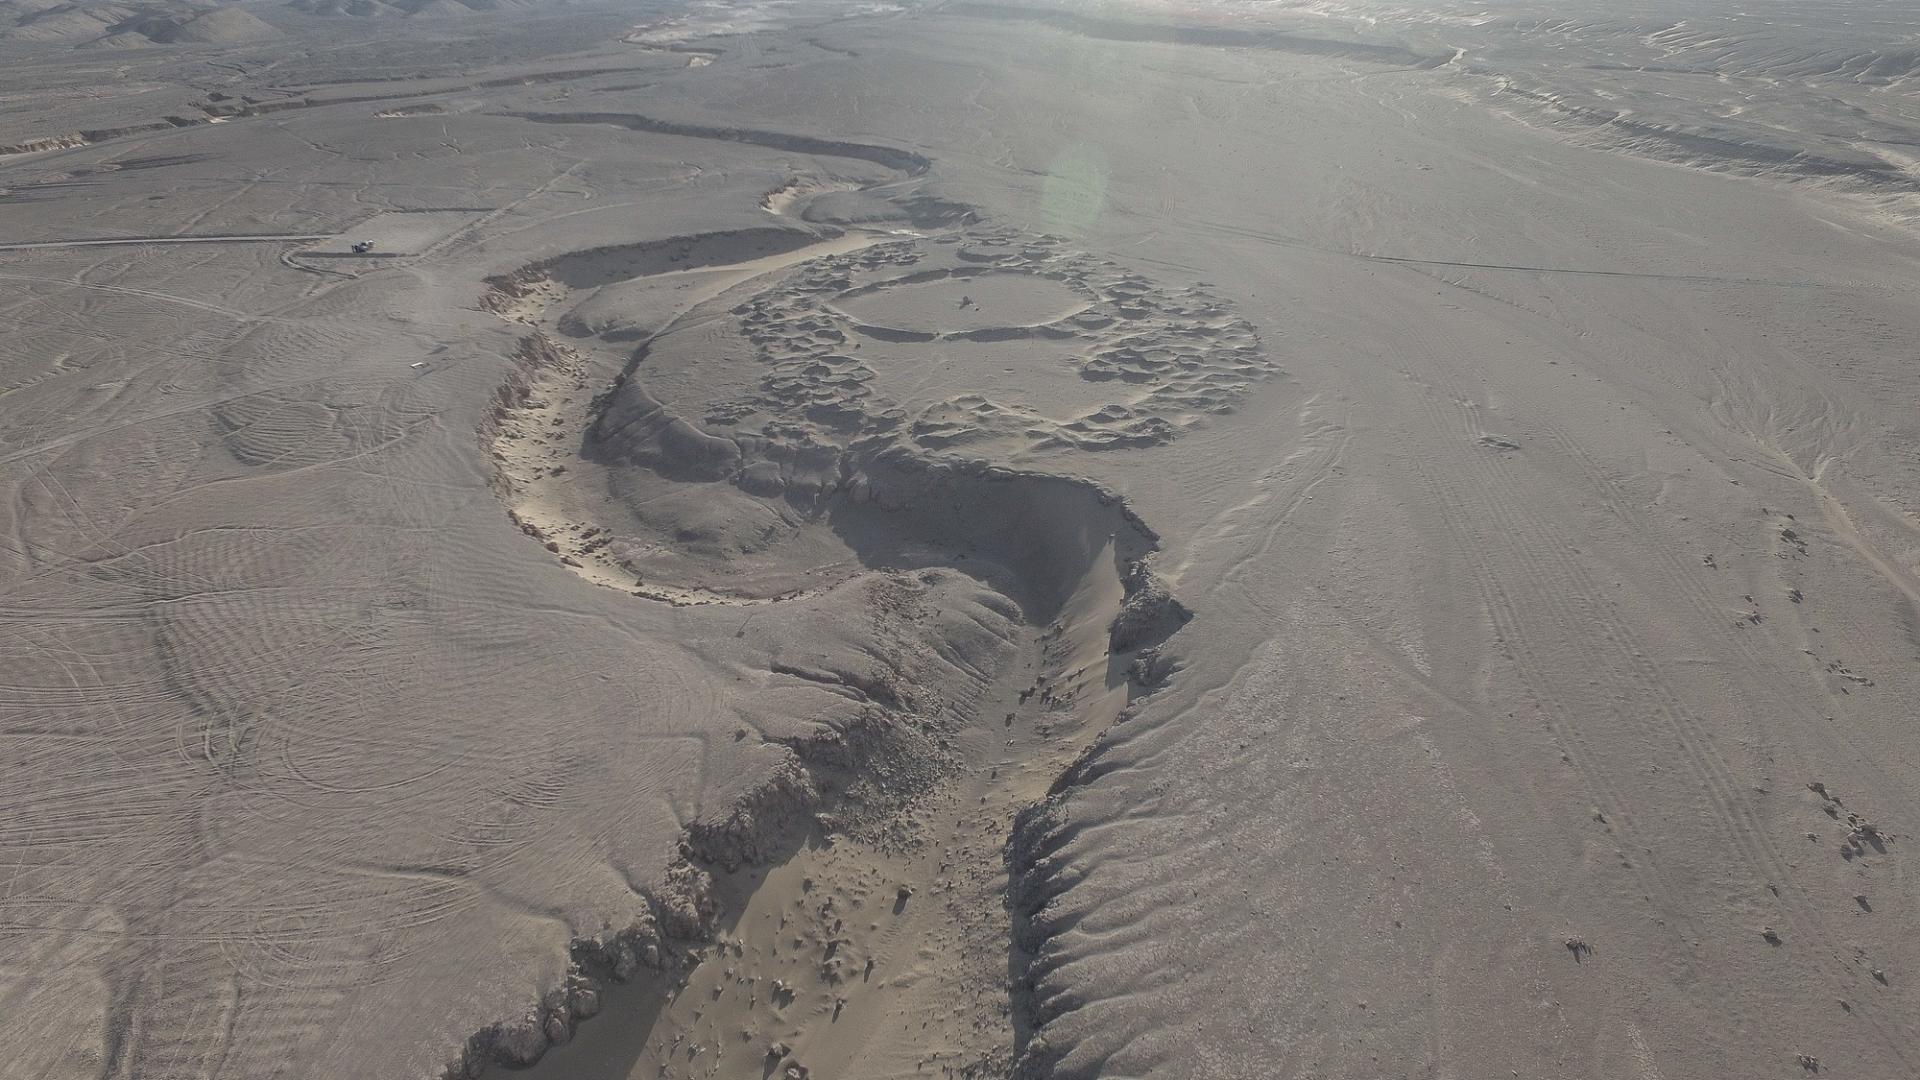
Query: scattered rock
{"type": "Point", "coordinates": [519, 1043]}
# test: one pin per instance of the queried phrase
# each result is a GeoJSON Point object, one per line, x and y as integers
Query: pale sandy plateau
{"type": "Point", "coordinates": [843, 541]}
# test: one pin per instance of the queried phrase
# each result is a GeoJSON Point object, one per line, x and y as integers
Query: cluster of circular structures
{"type": "Point", "coordinates": [1148, 361]}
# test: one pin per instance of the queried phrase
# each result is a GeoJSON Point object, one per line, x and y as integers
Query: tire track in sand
{"type": "Point", "coordinates": [1539, 555]}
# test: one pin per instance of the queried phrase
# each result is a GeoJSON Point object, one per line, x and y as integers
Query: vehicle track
{"type": "Point", "coordinates": [142, 241]}
{"type": "Point", "coordinates": [1539, 554]}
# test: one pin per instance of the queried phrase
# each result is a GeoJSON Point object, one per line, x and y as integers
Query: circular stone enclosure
{"type": "Point", "coordinates": [950, 303]}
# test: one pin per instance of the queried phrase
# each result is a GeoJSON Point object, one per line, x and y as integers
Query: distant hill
{"type": "Point", "coordinates": [115, 25]}
{"type": "Point", "coordinates": [368, 9]}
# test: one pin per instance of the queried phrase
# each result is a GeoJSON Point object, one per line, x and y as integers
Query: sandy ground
{"type": "Point", "coordinates": [959, 540]}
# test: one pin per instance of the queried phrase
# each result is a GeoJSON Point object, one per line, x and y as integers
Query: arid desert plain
{"type": "Point", "coordinates": [869, 539]}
